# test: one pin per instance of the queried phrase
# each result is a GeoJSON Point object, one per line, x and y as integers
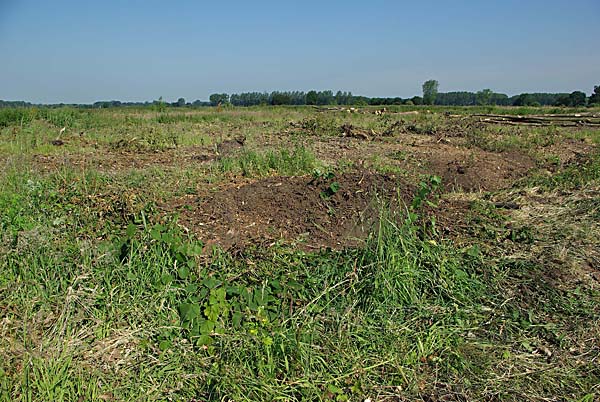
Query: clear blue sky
{"type": "Point", "coordinates": [83, 51]}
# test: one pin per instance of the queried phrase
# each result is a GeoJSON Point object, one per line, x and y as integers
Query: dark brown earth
{"type": "Point", "coordinates": [463, 169]}
{"type": "Point", "coordinates": [469, 169]}
{"type": "Point", "coordinates": [294, 208]}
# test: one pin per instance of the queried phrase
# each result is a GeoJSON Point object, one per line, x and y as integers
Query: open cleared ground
{"type": "Point", "coordinates": [299, 254]}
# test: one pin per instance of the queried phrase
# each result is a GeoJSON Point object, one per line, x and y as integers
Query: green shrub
{"type": "Point", "coordinates": [16, 116]}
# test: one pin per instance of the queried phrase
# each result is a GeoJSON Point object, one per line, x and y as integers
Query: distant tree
{"type": "Point", "coordinates": [360, 100]}
{"type": "Point", "coordinates": [416, 100]}
{"type": "Point", "coordinates": [349, 98]}
{"type": "Point", "coordinates": [595, 97]}
{"type": "Point", "coordinates": [577, 98]}
{"type": "Point", "coordinates": [484, 97]}
{"type": "Point", "coordinates": [180, 102]}
{"type": "Point", "coordinates": [250, 99]}
{"type": "Point", "coordinates": [311, 98]}
{"type": "Point", "coordinates": [325, 98]}
{"type": "Point", "coordinates": [218, 99]}
{"type": "Point", "coordinates": [464, 98]}
{"type": "Point", "coordinates": [343, 98]}
{"type": "Point", "coordinates": [524, 100]}
{"type": "Point", "coordinates": [563, 100]}
{"type": "Point", "coordinates": [457, 98]}
{"type": "Point", "coordinates": [298, 97]}
{"type": "Point", "coordinates": [160, 104]}
{"type": "Point", "coordinates": [543, 98]}
{"type": "Point", "coordinates": [499, 99]}
{"type": "Point", "coordinates": [281, 98]}
{"type": "Point", "coordinates": [18, 104]}
{"type": "Point", "coordinates": [236, 100]}
{"type": "Point", "coordinates": [430, 91]}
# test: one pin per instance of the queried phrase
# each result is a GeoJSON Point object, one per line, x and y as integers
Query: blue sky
{"type": "Point", "coordinates": [83, 51]}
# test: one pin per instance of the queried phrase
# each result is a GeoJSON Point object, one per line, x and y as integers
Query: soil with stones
{"type": "Point", "coordinates": [337, 212]}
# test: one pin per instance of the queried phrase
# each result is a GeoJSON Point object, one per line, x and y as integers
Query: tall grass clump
{"type": "Point", "coordinates": [61, 117]}
{"type": "Point", "coordinates": [16, 116]}
{"type": "Point", "coordinates": [297, 161]}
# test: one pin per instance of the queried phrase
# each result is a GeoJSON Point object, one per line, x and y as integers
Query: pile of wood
{"type": "Point", "coordinates": [348, 130]}
{"type": "Point", "coordinates": [331, 109]}
{"type": "Point", "coordinates": [560, 120]}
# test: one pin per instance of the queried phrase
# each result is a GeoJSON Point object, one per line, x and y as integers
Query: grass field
{"type": "Point", "coordinates": [296, 253]}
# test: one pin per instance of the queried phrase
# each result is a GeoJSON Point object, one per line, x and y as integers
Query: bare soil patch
{"type": "Point", "coordinates": [475, 169]}
{"type": "Point", "coordinates": [461, 168]}
{"type": "Point", "coordinates": [569, 151]}
{"type": "Point", "coordinates": [293, 208]}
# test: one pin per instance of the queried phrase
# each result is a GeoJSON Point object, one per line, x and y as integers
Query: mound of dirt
{"type": "Point", "coordinates": [332, 212]}
{"type": "Point", "coordinates": [468, 170]}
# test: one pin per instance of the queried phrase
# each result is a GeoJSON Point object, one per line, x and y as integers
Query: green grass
{"type": "Point", "coordinates": [297, 161]}
{"type": "Point", "coordinates": [572, 177]}
{"type": "Point", "coordinates": [104, 297]}
{"type": "Point", "coordinates": [384, 320]}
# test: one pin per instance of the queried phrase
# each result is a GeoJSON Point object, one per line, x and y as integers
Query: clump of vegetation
{"type": "Point", "coordinates": [14, 116]}
{"type": "Point", "coordinates": [573, 176]}
{"type": "Point", "coordinates": [297, 161]}
{"type": "Point", "coordinates": [153, 139]}
{"type": "Point", "coordinates": [318, 126]}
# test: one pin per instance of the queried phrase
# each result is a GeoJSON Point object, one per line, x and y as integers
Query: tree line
{"type": "Point", "coordinates": [431, 96]}
{"type": "Point", "coordinates": [288, 98]}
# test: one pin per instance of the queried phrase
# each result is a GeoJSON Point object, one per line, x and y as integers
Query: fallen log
{"type": "Point", "coordinates": [348, 130]}
{"type": "Point", "coordinates": [540, 120]}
